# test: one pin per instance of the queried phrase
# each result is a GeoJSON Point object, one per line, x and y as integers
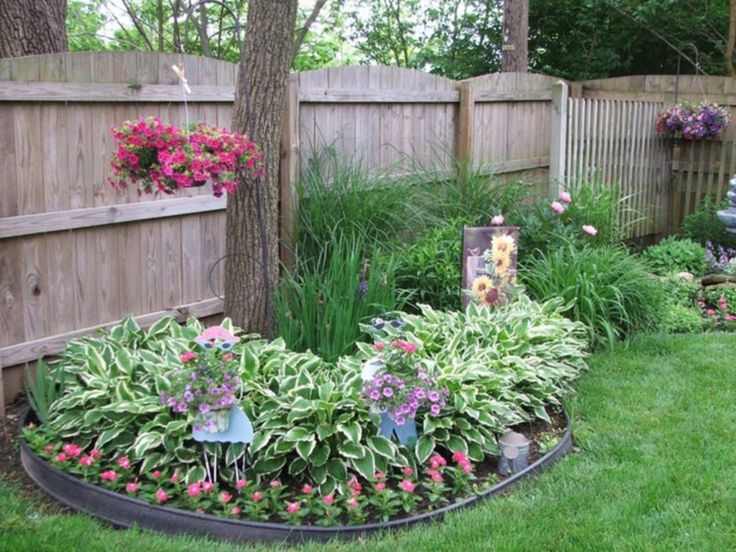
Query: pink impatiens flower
{"type": "Point", "coordinates": [565, 197]}
{"type": "Point", "coordinates": [61, 457]}
{"type": "Point", "coordinates": [161, 496]}
{"type": "Point", "coordinates": [436, 461]}
{"type": "Point", "coordinates": [275, 483]}
{"type": "Point", "coordinates": [557, 207]}
{"type": "Point", "coordinates": [48, 449]}
{"type": "Point", "coordinates": [408, 486]}
{"type": "Point", "coordinates": [241, 483]}
{"type": "Point", "coordinates": [108, 475]}
{"type": "Point", "coordinates": [124, 462]}
{"type": "Point", "coordinates": [95, 453]}
{"type": "Point", "coordinates": [188, 356]}
{"type": "Point", "coordinates": [329, 500]}
{"type": "Point", "coordinates": [194, 490]}
{"type": "Point", "coordinates": [380, 486]}
{"type": "Point", "coordinates": [225, 497]}
{"type": "Point", "coordinates": [156, 474]}
{"type": "Point", "coordinates": [293, 507]}
{"type": "Point", "coordinates": [497, 220]}
{"type": "Point", "coordinates": [207, 486]}
{"type": "Point", "coordinates": [235, 510]}
{"type": "Point", "coordinates": [256, 496]}
{"type": "Point", "coordinates": [307, 489]}
{"type": "Point", "coordinates": [132, 487]}
{"type": "Point", "coordinates": [353, 502]}
{"type": "Point", "coordinates": [408, 471]}
{"type": "Point", "coordinates": [459, 457]}
{"type": "Point", "coordinates": [72, 450]}
{"type": "Point", "coordinates": [86, 461]}
{"type": "Point", "coordinates": [590, 230]}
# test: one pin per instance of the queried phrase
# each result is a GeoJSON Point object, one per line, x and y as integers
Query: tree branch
{"type": "Point", "coordinates": [138, 25]}
{"type": "Point", "coordinates": [302, 34]}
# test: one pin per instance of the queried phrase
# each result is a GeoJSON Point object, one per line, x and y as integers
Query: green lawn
{"type": "Point", "coordinates": [655, 423]}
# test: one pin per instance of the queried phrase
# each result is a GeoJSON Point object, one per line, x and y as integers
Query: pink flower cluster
{"type": "Point", "coordinates": [560, 207]}
{"type": "Point", "coordinates": [164, 158]}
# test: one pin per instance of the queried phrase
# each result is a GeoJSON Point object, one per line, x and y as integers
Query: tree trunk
{"type": "Point", "coordinates": [514, 50]}
{"type": "Point", "coordinates": [251, 266]}
{"type": "Point", "coordinates": [29, 27]}
{"type": "Point", "coordinates": [731, 40]}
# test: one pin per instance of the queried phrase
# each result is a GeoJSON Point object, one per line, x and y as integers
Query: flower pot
{"type": "Point", "coordinates": [405, 433]}
{"type": "Point", "coordinates": [213, 421]}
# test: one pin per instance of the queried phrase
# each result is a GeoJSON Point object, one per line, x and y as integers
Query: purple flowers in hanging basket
{"type": "Point", "coordinates": [694, 122]}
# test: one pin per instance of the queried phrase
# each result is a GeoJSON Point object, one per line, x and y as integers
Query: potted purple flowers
{"type": "Point", "coordinates": [207, 382]}
{"type": "Point", "coordinates": [694, 122]}
{"type": "Point", "coordinates": [397, 387]}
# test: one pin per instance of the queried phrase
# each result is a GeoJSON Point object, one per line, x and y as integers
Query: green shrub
{"type": "Point", "coordinates": [680, 292]}
{"type": "Point", "coordinates": [606, 288]}
{"type": "Point", "coordinates": [675, 255]}
{"type": "Point", "coordinates": [319, 306]}
{"type": "Point", "coordinates": [542, 229]}
{"type": "Point", "coordinates": [703, 225]}
{"type": "Point", "coordinates": [681, 319]}
{"type": "Point", "coordinates": [429, 269]}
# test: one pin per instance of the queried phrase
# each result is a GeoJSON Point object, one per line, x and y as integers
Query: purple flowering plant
{"type": "Point", "coordinates": [720, 259]}
{"type": "Point", "coordinates": [208, 380]}
{"type": "Point", "coordinates": [395, 382]}
{"type": "Point", "coordinates": [693, 122]}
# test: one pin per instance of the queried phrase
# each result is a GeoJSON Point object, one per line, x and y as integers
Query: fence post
{"type": "Point", "coordinates": [289, 172]}
{"type": "Point", "coordinates": [466, 127]}
{"type": "Point", "coordinates": [558, 138]}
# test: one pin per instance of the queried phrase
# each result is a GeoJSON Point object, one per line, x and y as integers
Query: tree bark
{"type": "Point", "coordinates": [514, 50]}
{"type": "Point", "coordinates": [29, 27]}
{"type": "Point", "coordinates": [731, 40]}
{"type": "Point", "coordinates": [251, 266]}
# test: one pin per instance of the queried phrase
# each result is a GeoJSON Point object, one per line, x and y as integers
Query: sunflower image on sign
{"type": "Point", "coordinates": [489, 265]}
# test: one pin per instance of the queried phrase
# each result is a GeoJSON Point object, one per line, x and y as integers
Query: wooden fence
{"type": "Point", "coordinates": [75, 255]}
{"type": "Point", "coordinates": [610, 135]}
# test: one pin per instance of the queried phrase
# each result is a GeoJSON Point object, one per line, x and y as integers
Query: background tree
{"type": "Point", "coordinates": [32, 27]}
{"type": "Point", "coordinates": [252, 214]}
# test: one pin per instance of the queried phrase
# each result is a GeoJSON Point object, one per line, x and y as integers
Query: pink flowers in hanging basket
{"type": "Point", "coordinates": [164, 158]}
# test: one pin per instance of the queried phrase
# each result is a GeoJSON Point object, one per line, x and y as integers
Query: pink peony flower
{"type": "Point", "coordinates": [565, 197]}
{"type": "Point", "coordinates": [161, 496]}
{"type": "Point", "coordinates": [293, 507]}
{"type": "Point", "coordinates": [61, 457]}
{"type": "Point", "coordinates": [241, 483]}
{"type": "Point", "coordinates": [235, 510]}
{"type": "Point", "coordinates": [86, 461]}
{"type": "Point", "coordinates": [408, 486]}
{"type": "Point", "coordinates": [108, 475]}
{"type": "Point", "coordinates": [132, 487]}
{"type": "Point", "coordinates": [590, 230]}
{"type": "Point", "coordinates": [95, 453]}
{"type": "Point", "coordinates": [497, 220]}
{"type": "Point", "coordinates": [188, 356]}
{"type": "Point", "coordinates": [124, 462]}
{"type": "Point", "coordinates": [256, 496]}
{"type": "Point", "coordinates": [225, 497]}
{"type": "Point", "coordinates": [207, 486]}
{"type": "Point", "coordinates": [329, 500]}
{"type": "Point", "coordinates": [307, 489]}
{"type": "Point", "coordinates": [557, 207]}
{"type": "Point", "coordinates": [408, 471]}
{"type": "Point", "coordinates": [72, 450]}
{"type": "Point", "coordinates": [194, 490]}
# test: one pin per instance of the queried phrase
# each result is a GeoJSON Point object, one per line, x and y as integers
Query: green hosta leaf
{"type": "Point", "coordinates": [382, 446]}
{"type": "Point", "coordinates": [424, 448]}
{"type": "Point", "coordinates": [475, 452]}
{"type": "Point", "coordinates": [152, 461]}
{"type": "Point", "coordinates": [297, 434]}
{"type": "Point", "coordinates": [107, 436]}
{"type": "Point", "coordinates": [186, 454]}
{"type": "Point", "coordinates": [123, 392]}
{"type": "Point", "coordinates": [92, 418]}
{"type": "Point", "coordinates": [269, 465]}
{"type": "Point", "coordinates": [161, 327]}
{"type": "Point", "coordinates": [297, 466]}
{"type": "Point", "coordinates": [260, 440]}
{"type": "Point", "coordinates": [234, 451]}
{"type": "Point", "coordinates": [321, 454]}
{"type": "Point", "coordinates": [305, 448]}
{"type": "Point", "coordinates": [325, 430]}
{"type": "Point", "coordinates": [328, 487]}
{"type": "Point", "coordinates": [195, 474]}
{"type": "Point", "coordinates": [283, 446]}
{"type": "Point", "coordinates": [455, 444]}
{"type": "Point", "coordinates": [365, 466]}
{"type": "Point", "coordinates": [124, 361]}
{"type": "Point", "coordinates": [319, 474]}
{"type": "Point", "coordinates": [177, 426]}
{"type": "Point", "coordinates": [145, 442]}
{"type": "Point", "coordinates": [337, 469]}
{"type": "Point", "coordinates": [352, 431]}
{"type": "Point", "coordinates": [351, 450]}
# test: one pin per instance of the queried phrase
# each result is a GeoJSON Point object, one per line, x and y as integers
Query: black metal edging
{"type": "Point", "coordinates": [124, 511]}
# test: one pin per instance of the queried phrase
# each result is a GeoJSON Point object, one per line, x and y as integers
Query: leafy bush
{"type": "Point", "coordinates": [501, 366]}
{"type": "Point", "coordinates": [319, 307]}
{"type": "Point", "coordinates": [681, 319]}
{"type": "Point", "coordinates": [675, 255]}
{"type": "Point", "coordinates": [703, 225]}
{"type": "Point", "coordinates": [604, 287]}
{"type": "Point", "coordinates": [541, 228]}
{"type": "Point", "coordinates": [680, 292]}
{"type": "Point", "coordinates": [429, 269]}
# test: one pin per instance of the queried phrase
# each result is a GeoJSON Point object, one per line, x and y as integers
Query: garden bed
{"type": "Point", "coordinates": [124, 511]}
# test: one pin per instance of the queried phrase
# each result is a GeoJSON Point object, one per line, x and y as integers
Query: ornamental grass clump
{"type": "Point", "coordinates": [164, 158]}
{"type": "Point", "coordinates": [396, 384]}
